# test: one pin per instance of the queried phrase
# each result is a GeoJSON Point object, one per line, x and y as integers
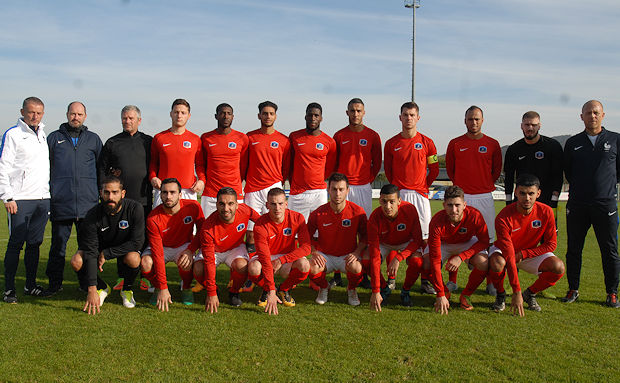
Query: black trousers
{"type": "Point", "coordinates": [604, 219]}
{"type": "Point", "coordinates": [61, 231]}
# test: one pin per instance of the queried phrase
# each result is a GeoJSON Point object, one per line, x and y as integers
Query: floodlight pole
{"type": "Point", "coordinates": [413, 4]}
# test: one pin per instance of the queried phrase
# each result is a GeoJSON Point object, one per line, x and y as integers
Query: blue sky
{"type": "Point", "coordinates": [506, 57]}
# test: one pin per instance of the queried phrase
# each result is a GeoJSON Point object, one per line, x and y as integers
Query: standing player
{"type": "Point", "coordinates": [341, 226]}
{"type": "Point", "coordinates": [457, 234]}
{"type": "Point", "coordinates": [538, 155]}
{"type": "Point", "coordinates": [313, 160]}
{"type": "Point", "coordinates": [114, 228]}
{"type": "Point", "coordinates": [170, 228]}
{"type": "Point", "coordinates": [176, 153]}
{"type": "Point", "coordinates": [526, 237]}
{"type": "Point", "coordinates": [277, 252]}
{"type": "Point", "coordinates": [221, 240]}
{"type": "Point", "coordinates": [394, 234]}
{"type": "Point", "coordinates": [225, 156]}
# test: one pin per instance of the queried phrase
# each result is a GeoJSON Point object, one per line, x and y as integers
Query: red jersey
{"type": "Point", "coordinates": [165, 230]}
{"type": "Point", "coordinates": [441, 230]}
{"type": "Point", "coordinates": [406, 161]}
{"type": "Point", "coordinates": [269, 160]}
{"type": "Point", "coordinates": [359, 154]}
{"type": "Point", "coordinates": [517, 232]}
{"type": "Point", "coordinates": [338, 233]}
{"type": "Point", "coordinates": [404, 228]}
{"type": "Point", "coordinates": [313, 160]}
{"type": "Point", "coordinates": [177, 156]}
{"type": "Point", "coordinates": [225, 157]}
{"type": "Point", "coordinates": [474, 165]}
{"type": "Point", "coordinates": [271, 239]}
{"type": "Point", "coordinates": [217, 236]}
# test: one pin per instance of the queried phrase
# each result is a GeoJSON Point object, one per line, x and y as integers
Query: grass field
{"type": "Point", "coordinates": [53, 340]}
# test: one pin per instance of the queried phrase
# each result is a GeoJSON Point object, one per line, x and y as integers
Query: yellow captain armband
{"type": "Point", "coordinates": [432, 159]}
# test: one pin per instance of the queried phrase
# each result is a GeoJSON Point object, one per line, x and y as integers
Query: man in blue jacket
{"type": "Point", "coordinates": [74, 151]}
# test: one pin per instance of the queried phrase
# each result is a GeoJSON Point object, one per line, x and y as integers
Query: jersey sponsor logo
{"type": "Point", "coordinates": [401, 227]}
{"type": "Point", "coordinates": [210, 145]}
{"type": "Point", "coordinates": [255, 143]}
{"type": "Point", "coordinates": [188, 219]}
{"type": "Point", "coordinates": [384, 232]}
{"type": "Point", "coordinates": [60, 142]}
{"type": "Point", "coordinates": [363, 142]}
{"type": "Point", "coordinates": [187, 144]}
{"type": "Point", "coordinates": [327, 224]}
{"type": "Point", "coordinates": [105, 228]}
{"type": "Point", "coordinates": [346, 223]}
{"type": "Point", "coordinates": [300, 143]}
{"type": "Point", "coordinates": [287, 231]}
{"type": "Point", "coordinates": [482, 149]}
{"type": "Point", "coordinates": [463, 149]}
{"type": "Point", "coordinates": [462, 230]}
{"type": "Point", "coordinates": [518, 228]}
{"type": "Point", "coordinates": [345, 142]}
{"type": "Point", "coordinates": [521, 157]}
{"type": "Point", "coordinates": [578, 147]}
{"type": "Point", "coordinates": [164, 145]}
{"type": "Point", "coordinates": [536, 223]}
{"type": "Point", "coordinates": [240, 227]}
{"type": "Point", "coordinates": [123, 224]}
{"type": "Point", "coordinates": [232, 145]}
{"type": "Point", "coordinates": [397, 149]}
{"type": "Point", "coordinates": [319, 146]}
{"type": "Point", "coordinates": [606, 146]}
{"type": "Point", "coordinates": [539, 155]}
{"type": "Point", "coordinates": [223, 238]}
{"type": "Point", "coordinates": [417, 146]}
{"type": "Point", "coordinates": [274, 144]}
{"type": "Point", "coordinates": [272, 236]}
{"type": "Point", "coordinates": [611, 213]}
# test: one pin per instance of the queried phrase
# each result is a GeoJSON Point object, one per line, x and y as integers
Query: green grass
{"type": "Point", "coordinates": [53, 340]}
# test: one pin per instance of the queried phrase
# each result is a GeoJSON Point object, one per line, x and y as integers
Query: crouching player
{"type": "Point", "coordinates": [341, 227]}
{"type": "Point", "coordinates": [221, 239]}
{"type": "Point", "coordinates": [114, 228]}
{"type": "Point", "coordinates": [277, 252]}
{"type": "Point", "coordinates": [170, 228]}
{"type": "Point", "coordinates": [526, 237]}
{"type": "Point", "coordinates": [394, 234]}
{"type": "Point", "coordinates": [457, 234]}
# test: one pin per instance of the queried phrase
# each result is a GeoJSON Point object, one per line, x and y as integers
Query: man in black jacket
{"type": "Point", "coordinates": [592, 167]}
{"type": "Point", "coordinates": [112, 229]}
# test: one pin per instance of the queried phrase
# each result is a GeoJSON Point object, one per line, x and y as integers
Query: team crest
{"type": "Point", "coordinates": [536, 224]}
{"type": "Point", "coordinates": [417, 146]}
{"type": "Point", "coordinates": [287, 231]}
{"type": "Point", "coordinates": [482, 149]}
{"type": "Point", "coordinates": [188, 219]}
{"type": "Point", "coordinates": [320, 146]}
{"type": "Point", "coordinates": [232, 145]}
{"type": "Point", "coordinates": [346, 223]}
{"type": "Point", "coordinates": [274, 144]}
{"type": "Point", "coordinates": [539, 155]}
{"type": "Point", "coordinates": [187, 144]}
{"type": "Point", "coordinates": [123, 224]}
{"type": "Point", "coordinates": [363, 142]}
{"type": "Point", "coordinates": [606, 146]}
{"type": "Point", "coordinates": [240, 227]}
{"type": "Point", "coordinates": [401, 227]}
{"type": "Point", "coordinates": [462, 230]}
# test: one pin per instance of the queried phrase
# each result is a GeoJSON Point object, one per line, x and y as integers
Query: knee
{"type": "Point", "coordinates": [558, 266]}
{"type": "Point", "coordinates": [480, 262]}
{"type": "Point", "coordinates": [254, 268]}
{"type": "Point", "coordinates": [302, 265]}
{"type": "Point", "coordinates": [314, 268]}
{"type": "Point", "coordinates": [146, 263]}
{"type": "Point", "coordinates": [354, 267]}
{"type": "Point", "coordinates": [77, 261]}
{"type": "Point", "coordinates": [240, 265]}
{"type": "Point", "coordinates": [132, 259]}
{"type": "Point", "coordinates": [199, 268]}
{"type": "Point", "coordinates": [496, 263]}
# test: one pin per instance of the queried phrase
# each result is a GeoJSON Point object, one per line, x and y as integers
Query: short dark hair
{"type": "Point", "coordinates": [390, 189]}
{"type": "Point", "coordinates": [172, 180]}
{"type": "Point", "coordinates": [410, 105]}
{"type": "Point", "coordinates": [337, 177]}
{"type": "Point", "coordinates": [314, 105]}
{"type": "Point", "coordinates": [355, 101]}
{"type": "Point", "coordinates": [265, 104]}
{"type": "Point", "coordinates": [530, 114]}
{"type": "Point", "coordinates": [180, 101]}
{"type": "Point", "coordinates": [76, 102]}
{"type": "Point", "coordinates": [110, 179]}
{"type": "Point", "coordinates": [32, 100]}
{"type": "Point", "coordinates": [222, 106]}
{"type": "Point", "coordinates": [226, 191]}
{"type": "Point", "coordinates": [275, 192]}
{"type": "Point", "coordinates": [528, 180]}
{"type": "Point", "coordinates": [453, 192]}
{"type": "Point", "coordinates": [472, 108]}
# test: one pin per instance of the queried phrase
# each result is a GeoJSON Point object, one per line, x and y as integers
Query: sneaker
{"type": "Point", "coordinates": [234, 300]}
{"type": "Point", "coordinates": [262, 301]}
{"type": "Point", "coordinates": [10, 296]}
{"type": "Point", "coordinates": [612, 300]}
{"type": "Point", "coordinates": [500, 302]}
{"type": "Point", "coordinates": [365, 283]}
{"type": "Point", "coordinates": [127, 297]}
{"type": "Point", "coordinates": [187, 297]}
{"type": "Point", "coordinates": [322, 297]}
{"type": "Point", "coordinates": [247, 287]}
{"type": "Point", "coordinates": [145, 285]}
{"type": "Point", "coordinates": [37, 291]}
{"type": "Point", "coordinates": [314, 286]}
{"type": "Point", "coordinates": [119, 284]}
{"type": "Point", "coordinates": [530, 299]}
{"type": "Point", "coordinates": [405, 298]}
{"type": "Point", "coordinates": [465, 302]}
{"type": "Point", "coordinates": [353, 300]}
{"type": "Point", "coordinates": [491, 290]}
{"type": "Point", "coordinates": [392, 283]}
{"type": "Point", "coordinates": [385, 294]}
{"type": "Point", "coordinates": [452, 286]}
{"type": "Point", "coordinates": [571, 296]}
{"type": "Point", "coordinates": [197, 288]}
{"type": "Point", "coordinates": [103, 294]}
{"type": "Point", "coordinates": [287, 299]}
{"type": "Point", "coordinates": [336, 280]}
{"type": "Point", "coordinates": [426, 287]}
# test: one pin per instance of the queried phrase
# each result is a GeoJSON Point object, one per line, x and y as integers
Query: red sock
{"type": "Point", "coordinates": [354, 280]}
{"type": "Point", "coordinates": [187, 276]}
{"type": "Point", "coordinates": [319, 279]}
{"type": "Point", "coordinates": [389, 259]}
{"type": "Point", "coordinates": [475, 279]}
{"type": "Point", "coordinates": [238, 279]}
{"type": "Point", "coordinates": [295, 277]}
{"type": "Point", "coordinates": [258, 280]}
{"type": "Point", "coordinates": [150, 276]}
{"type": "Point", "coordinates": [452, 276]}
{"type": "Point", "coordinates": [413, 271]}
{"type": "Point", "coordinates": [497, 278]}
{"type": "Point", "coordinates": [366, 266]}
{"type": "Point", "coordinates": [545, 280]}
{"type": "Point", "coordinates": [426, 274]}
{"type": "Point", "coordinates": [383, 281]}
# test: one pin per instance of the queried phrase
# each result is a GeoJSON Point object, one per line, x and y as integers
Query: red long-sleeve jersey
{"type": "Point", "coordinates": [404, 228]}
{"type": "Point", "coordinates": [442, 230]}
{"type": "Point", "coordinates": [411, 163]}
{"type": "Point", "coordinates": [226, 160]}
{"type": "Point", "coordinates": [177, 156]}
{"type": "Point", "coordinates": [218, 236]}
{"type": "Point", "coordinates": [517, 232]}
{"type": "Point", "coordinates": [269, 160]}
{"type": "Point", "coordinates": [338, 233]}
{"type": "Point", "coordinates": [166, 230]}
{"type": "Point", "coordinates": [272, 238]}
{"type": "Point", "coordinates": [313, 160]}
{"type": "Point", "coordinates": [474, 165]}
{"type": "Point", "coordinates": [359, 155]}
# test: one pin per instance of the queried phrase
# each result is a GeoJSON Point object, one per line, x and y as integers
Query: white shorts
{"type": "Point", "coordinates": [422, 205]}
{"type": "Point", "coordinates": [333, 262]}
{"type": "Point", "coordinates": [361, 195]}
{"type": "Point", "coordinates": [227, 257]}
{"type": "Point", "coordinates": [385, 248]}
{"type": "Point", "coordinates": [171, 254]}
{"type": "Point", "coordinates": [208, 205]}
{"type": "Point", "coordinates": [448, 250]}
{"type": "Point", "coordinates": [185, 194]}
{"type": "Point", "coordinates": [258, 201]}
{"type": "Point", "coordinates": [529, 265]}
{"type": "Point", "coordinates": [307, 202]}
{"type": "Point", "coordinates": [285, 269]}
{"type": "Point", "coordinates": [486, 206]}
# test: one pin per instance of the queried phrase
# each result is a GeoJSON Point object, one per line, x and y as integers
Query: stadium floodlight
{"type": "Point", "coordinates": [413, 4]}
